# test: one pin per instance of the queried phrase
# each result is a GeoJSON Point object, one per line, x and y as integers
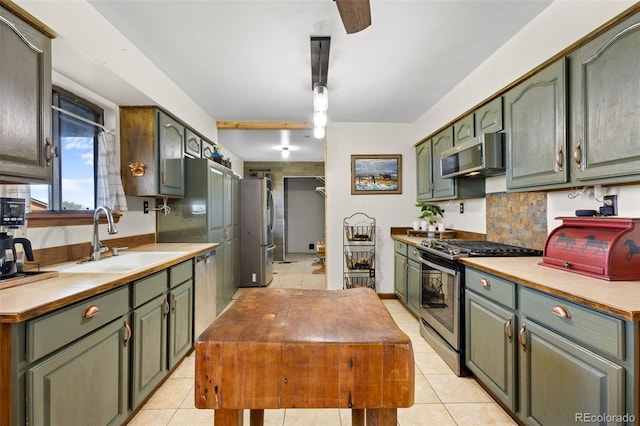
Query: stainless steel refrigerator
{"type": "Point", "coordinates": [256, 228]}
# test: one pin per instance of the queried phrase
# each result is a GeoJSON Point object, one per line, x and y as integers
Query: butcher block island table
{"type": "Point", "coordinates": [291, 348]}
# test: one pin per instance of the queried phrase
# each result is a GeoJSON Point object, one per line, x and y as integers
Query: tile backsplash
{"type": "Point", "coordinates": [517, 218]}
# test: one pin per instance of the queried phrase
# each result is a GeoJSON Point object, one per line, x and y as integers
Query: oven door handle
{"type": "Point", "coordinates": [438, 267]}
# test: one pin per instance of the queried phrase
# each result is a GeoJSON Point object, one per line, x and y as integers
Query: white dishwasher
{"type": "Point", "coordinates": [205, 292]}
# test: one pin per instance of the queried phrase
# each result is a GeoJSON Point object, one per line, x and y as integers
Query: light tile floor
{"type": "Point", "coordinates": [441, 398]}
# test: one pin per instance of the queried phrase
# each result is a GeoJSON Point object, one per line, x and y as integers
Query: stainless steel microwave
{"type": "Point", "coordinates": [480, 157]}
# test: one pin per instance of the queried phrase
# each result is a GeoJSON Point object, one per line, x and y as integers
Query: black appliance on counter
{"type": "Point", "coordinates": [12, 218]}
{"type": "Point", "coordinates": [442, 292]}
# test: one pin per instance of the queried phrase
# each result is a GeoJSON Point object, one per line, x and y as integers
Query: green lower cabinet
{"type": "Point", "coordinates": [490, 352]}
{"type": "Point", "coordinates": [548, 360]}
{"type": "Point", "coordinates": [400, 276]}
{"type": "Point", "coordinates": [149, 347]}
{"type": "Point", "coordinates": [180, 322]}
{"type": "Point", "coordinates": [414, 274]}
{"type": "Point", "coordinates": [84, 384]}
{"type": "Point", "coordinates": [222, 299]}
{"type": "Point", "coordinates": [562, 382]}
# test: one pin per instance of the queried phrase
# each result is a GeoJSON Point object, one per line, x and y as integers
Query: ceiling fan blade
{"type": "Point", "coordinates": [355, 14]}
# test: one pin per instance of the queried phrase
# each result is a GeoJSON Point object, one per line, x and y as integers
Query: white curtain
{"type": "Point", "coordinates": [109, 184]}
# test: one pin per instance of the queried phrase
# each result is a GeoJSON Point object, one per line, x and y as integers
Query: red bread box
{"type": "Point", "coordinates": [601, 247]}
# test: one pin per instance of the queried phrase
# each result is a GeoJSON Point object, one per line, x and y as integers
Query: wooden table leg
{"type": "Point", "coordinates": [357, 417]}
{"type": "Point", "coordinates": [227, 417]}
{"type": "Point", "coordinates": [382, 417]}
{"type": "Point", "coordinates": [256, 417]}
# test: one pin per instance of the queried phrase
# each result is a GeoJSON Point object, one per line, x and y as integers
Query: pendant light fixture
{"type": "Point", "coordinates": [319, 70]}
{"type": "Point", "coordinates": [320, 98]}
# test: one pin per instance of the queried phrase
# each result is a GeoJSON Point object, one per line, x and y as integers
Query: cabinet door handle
{"type": "Point", "coordinates": [91, 311]}
{"type": "Point", "coordinates": [166, 308]}
{"type": "Point", "coordinates": [164, 177]}
{"type": "Point", "coordinates": [521, 338]}
{"type": "Point", "coordinates": [175, 303]}
{"type": "Point", "coordinates": [485, 283]}
{"type": "Point", "coordinates": [577, 154]}
{"type": "Point", "coordinates": [559, 159]}
{"type": "Point", "coordinates": [48, 151]}
{"type": "Point", "coordinates": [561, 311]}
{"type": "Point", "coordinates": [507, 329]}
{"type": "Point", "coordinates": [127, 327]}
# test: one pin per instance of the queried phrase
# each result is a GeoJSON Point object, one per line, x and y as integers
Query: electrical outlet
{"type": "Point", "coordinates": [145, 207]}
{"type": "Point", "coordinates": [610, 204]}
{"type": "Point", "coordinates": [461, 208]}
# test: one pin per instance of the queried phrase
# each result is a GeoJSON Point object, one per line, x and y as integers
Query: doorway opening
{"type": "Point", "coordinates": [304, 217]}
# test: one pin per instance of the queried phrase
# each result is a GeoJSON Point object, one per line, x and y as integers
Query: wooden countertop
{"type": "Point", "coordinates": [414, 241]}
{"type": "Point", "coordinates": [619, 298]}
{"type": "Point", "coordinates": [36, 298]}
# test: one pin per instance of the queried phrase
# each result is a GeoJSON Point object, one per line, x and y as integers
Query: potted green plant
{"type": "Point", "coordinates": [429, 213]}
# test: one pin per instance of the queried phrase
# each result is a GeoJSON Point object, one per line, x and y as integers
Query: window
{"type": "Point", "coordinates": [76, 124]}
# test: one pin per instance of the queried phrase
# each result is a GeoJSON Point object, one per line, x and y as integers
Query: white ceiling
{"type": "Point", "coordinates": [244, 60]}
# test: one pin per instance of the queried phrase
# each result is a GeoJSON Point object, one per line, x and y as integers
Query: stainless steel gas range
{"type": "Point", "coordinates": [442, 292]}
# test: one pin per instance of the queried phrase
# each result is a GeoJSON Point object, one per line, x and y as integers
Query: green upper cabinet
{"type": "Point", "coordinates": [192, 144]}
{"type": "Point", "coordinates": [464, 129]}
{"type": "Point", "coordinates": [488, 118]}
{"type": "Point", "coordinates": [171, 136]}
{"type": "Point", "coordinates": [430, 185]}
{"type": "Point", "coordinates": [25, 102]}
{"type": "Point", "coordinates": [605, 105]}
{"type": "Point", "coordinates": [423, 170]}
{"type": "Point", "coordinates": [442, 188]}
{"type": "Point", "coordinates": [535, 114]}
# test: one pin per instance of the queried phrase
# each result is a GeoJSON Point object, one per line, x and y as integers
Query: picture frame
{"type": "Point", "coordinates": [376, 174]}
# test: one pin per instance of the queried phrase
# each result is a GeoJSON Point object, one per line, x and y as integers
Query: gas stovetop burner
{"type": "Point", "coordinates": [454, 249]}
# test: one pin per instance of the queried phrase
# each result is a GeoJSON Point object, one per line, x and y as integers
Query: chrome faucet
{"type": "Point", "coordinates": [96, 247]}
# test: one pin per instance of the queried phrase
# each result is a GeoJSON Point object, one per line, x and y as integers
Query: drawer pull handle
{"type": "Point", "coordinates": [521, 338]}
{"type": "Point", "coordinates": [507, 329]}
{"type": "Point", "coordinates": [559, 160]}
{"type": "Point", "coordinates": [415, 252]}
{"type": "Point", "coordinates": [166, 308]}
{"type": "Point", "coordinates": [91, 311]}
{"type": "Point", "coordinates": [128, 328]}
{"type": "Point", "coordinates": [49, 152]}
{"type": "Point", "coordinates": [485, 283]}
{"type": "Point", "coordinates": [577, 155]}
{"type": "Point", "coordinates": [561, 311]}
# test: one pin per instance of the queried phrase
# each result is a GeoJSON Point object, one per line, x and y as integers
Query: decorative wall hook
{"type": "Point", "coordinates": [137, 169]}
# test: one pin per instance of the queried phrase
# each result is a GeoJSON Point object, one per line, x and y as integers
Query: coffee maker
{"type": "Point", "coordinates": [12, 222]}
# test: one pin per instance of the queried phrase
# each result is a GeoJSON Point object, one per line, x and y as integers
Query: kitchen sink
{"type": "Point", "coordinates": [123, 263]}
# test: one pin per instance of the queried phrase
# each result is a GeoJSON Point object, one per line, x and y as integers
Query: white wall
{"type": "Point", "coordinates": [558, 26]}
{"type": "Point", "coordinates": [389, 210]}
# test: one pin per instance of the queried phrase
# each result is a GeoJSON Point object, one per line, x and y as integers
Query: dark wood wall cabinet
{"type": "Point", "coordinates": [26, 150]}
